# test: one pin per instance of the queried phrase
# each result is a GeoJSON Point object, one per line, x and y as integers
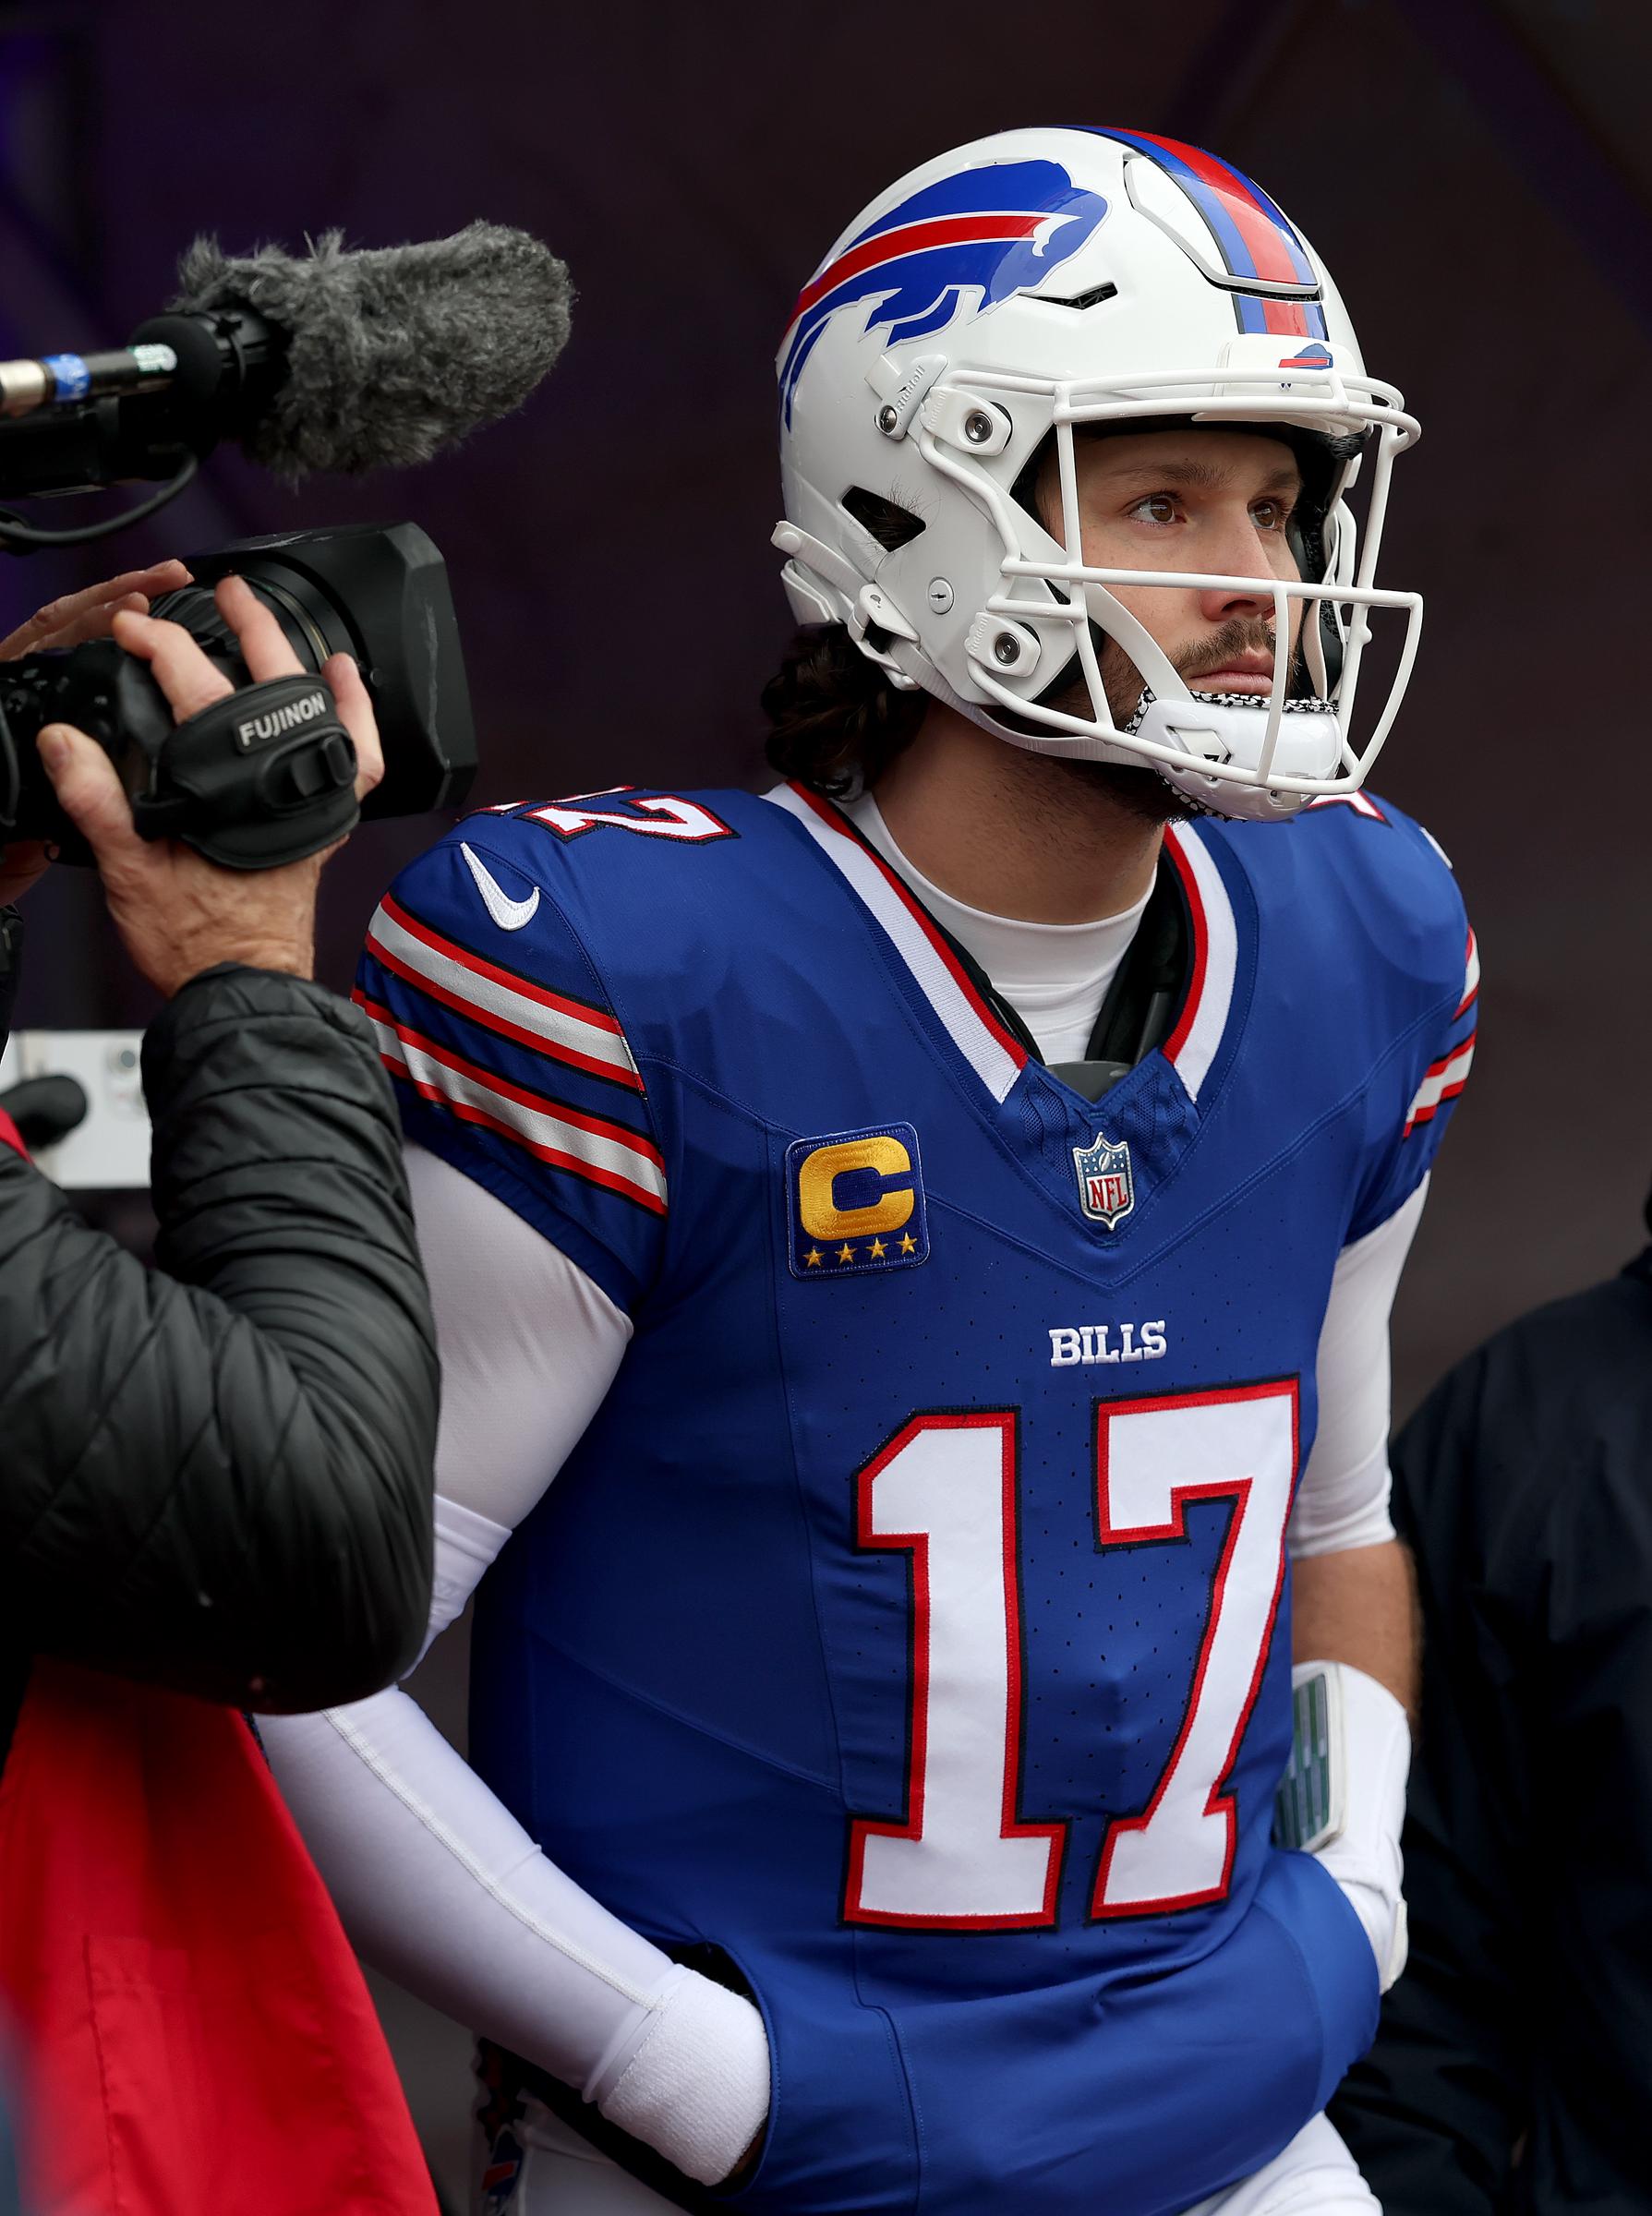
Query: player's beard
{"type": "Point", "coordinates": [1142, 793]}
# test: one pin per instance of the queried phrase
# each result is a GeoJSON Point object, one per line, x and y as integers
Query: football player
{"type": "Point", "coordinates": [913, 1253]}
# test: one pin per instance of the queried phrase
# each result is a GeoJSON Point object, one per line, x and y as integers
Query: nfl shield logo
{"type": "Point", "coordinates": [1106, 1190]}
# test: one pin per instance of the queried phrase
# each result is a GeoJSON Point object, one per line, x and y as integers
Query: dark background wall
{"type": "Point", "coordinates": [1477, 173]}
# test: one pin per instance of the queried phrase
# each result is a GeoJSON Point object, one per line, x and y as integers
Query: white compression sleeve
{"type": "Point", "coordinates": [529, 1345]}
{"type": "Point", "coordinates": [1343, 1499]}
{"type": "Point", "coordinates": [436, 1882]}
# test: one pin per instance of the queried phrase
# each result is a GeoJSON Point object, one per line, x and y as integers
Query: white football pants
{"type": "Point", "coordinates": [561, 2174]}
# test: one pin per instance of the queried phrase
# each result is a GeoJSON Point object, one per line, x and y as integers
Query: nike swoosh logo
{"type": "Point", "coordinates": [510, 915]}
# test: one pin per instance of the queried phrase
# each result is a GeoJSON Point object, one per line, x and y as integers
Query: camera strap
{"type": "Point", "coordinates": [11, 964]}
{"type": "Point", "coordinates": [263, 776]}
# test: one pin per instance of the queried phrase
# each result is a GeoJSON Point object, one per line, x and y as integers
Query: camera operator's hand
{"type": "Point", "coordinates": [68, 622]}
{"type": "Point", "coordinates": [179, 913]}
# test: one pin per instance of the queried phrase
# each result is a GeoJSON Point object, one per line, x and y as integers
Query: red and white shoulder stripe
{"type": "Point", "coordinates": [1445, 1079]}
{"type": "Point", "coordinates": [1202, 1024]}
{"type": "Point", "coordinates": [566, 1138]}
{"type": "Point", "coordinates": [1471, 978]}
{"type": "Point", "coordinates": [994, 1054]}
{"type": "Point", "coordinates": [1361, 803]}
{"type": "Point", "coordinates": [551, 1023]}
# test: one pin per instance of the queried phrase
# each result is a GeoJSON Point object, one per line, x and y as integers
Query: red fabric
{"type": "Point", "coordinates": [197, 2038]}
{"type": "Point", "coordinates": [10, 1134]}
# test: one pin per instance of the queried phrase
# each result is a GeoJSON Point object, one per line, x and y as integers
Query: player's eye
{"type": "Point", "coordinates": [1270, 514]}
{"type": "Point", "coordinates": [1157, 508]}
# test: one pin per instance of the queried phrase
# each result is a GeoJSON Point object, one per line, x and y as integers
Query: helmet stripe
{"type": "Point", "coordinates": [1289, 319]}
{"type": "Point", "coordinates": [1256, 237]}
{"type": "Point", "coordinates": [1285, 317]}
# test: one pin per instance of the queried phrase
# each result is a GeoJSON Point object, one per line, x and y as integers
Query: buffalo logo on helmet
{"type": "Point", "coordinates": [988, 233]}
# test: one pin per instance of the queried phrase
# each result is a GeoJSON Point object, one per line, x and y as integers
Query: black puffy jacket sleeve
{"type": "Point", "coordinates": [1515, 2056]}
{"type": "Point", "coordinates": [216, 1475]}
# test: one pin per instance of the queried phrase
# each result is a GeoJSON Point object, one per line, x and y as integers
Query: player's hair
{"type": "Point", "coordinates": [835, 721]}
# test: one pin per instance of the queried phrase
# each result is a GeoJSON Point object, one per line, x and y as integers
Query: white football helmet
{"type": "Point", "coordinates": [991, 301]}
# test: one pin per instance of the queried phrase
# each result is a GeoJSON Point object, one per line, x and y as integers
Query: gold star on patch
{"type": "Point", "coordinates": [877, 1250]}
{"type": "Point", "coordinates": [908, 1244]}
{"type": "Point", "coordinates": [813, 1257]}
{"type": "Point", "coordinates": [845, 1254]}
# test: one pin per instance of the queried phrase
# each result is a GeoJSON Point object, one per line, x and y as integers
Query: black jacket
{"type": "Point", "coordinates": [216, 1475]}
{"type": "Point", "coordinates": [1512, 2070]}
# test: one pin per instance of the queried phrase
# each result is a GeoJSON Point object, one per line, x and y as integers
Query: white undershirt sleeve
{"type": "Point", "coordinates": [529, 1345]}
{"type": "Point", "coordinates": [437, 1883]}
{"type": "Point", "coordinates": [1343, 1499]}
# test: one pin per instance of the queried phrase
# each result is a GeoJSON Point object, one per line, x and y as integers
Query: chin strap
{"type": "Point", "coordinates": [1299, 704]}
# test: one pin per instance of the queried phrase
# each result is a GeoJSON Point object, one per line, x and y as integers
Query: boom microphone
{"type": "Point", "coordinates": [334, 360]}
{"type": "Point", "coordinates": [394, 353]}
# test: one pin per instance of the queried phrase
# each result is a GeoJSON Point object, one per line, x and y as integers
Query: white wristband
{"type": "Point", "coordinates": [696, 2089]}
{"type": "Point", "coordinates": [1372, 1764]}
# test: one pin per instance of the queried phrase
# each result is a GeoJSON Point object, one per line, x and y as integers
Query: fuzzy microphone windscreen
{"type": "Point", "coordinates": [394, 353]}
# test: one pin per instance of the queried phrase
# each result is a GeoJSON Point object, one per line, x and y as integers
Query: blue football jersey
{"type": "Point", "coordinates": [912, 1620]}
